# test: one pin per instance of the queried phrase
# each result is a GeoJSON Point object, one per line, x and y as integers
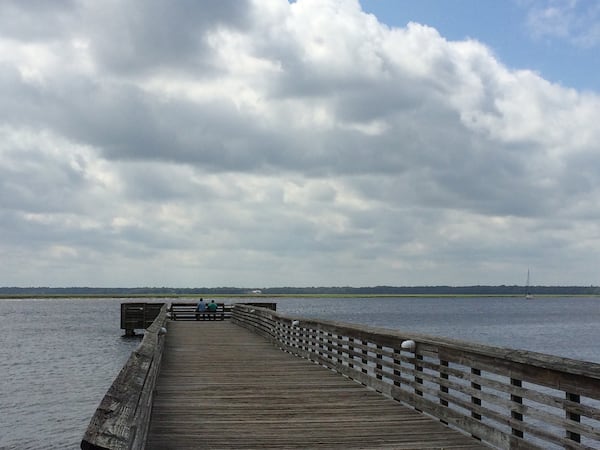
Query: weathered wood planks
{"type": "Point", "coordinates": [221, 386]}
{"type": "Point", "coordinates": [508, 398]}
{"type": "Point", "coordinates": [121, 421]}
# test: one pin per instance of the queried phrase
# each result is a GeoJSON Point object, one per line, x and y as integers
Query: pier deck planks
{"type": "Point", "coordinates": [223, 387]}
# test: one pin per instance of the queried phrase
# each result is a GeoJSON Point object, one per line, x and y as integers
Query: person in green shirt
{"type": "Point", "coordinates": [212, 309]}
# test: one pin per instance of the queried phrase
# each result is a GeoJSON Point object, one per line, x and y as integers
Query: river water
{"type": "Point", "coordinates": [59, 356]}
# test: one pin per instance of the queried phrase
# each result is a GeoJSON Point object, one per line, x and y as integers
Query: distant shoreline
{"type": "Point", "coordinates": [315, 291]}
{"type": "Point", "coordinates": [259, 297]}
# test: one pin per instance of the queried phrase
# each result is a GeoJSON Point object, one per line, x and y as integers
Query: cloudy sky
{"type": "Point", "coordinates": [271, 143]}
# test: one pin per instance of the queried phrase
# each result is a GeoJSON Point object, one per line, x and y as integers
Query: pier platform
{"type": "Point", "coordinates": [221, 386]}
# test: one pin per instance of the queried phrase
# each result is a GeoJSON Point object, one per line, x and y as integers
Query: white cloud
{"type": "Point", "coordinates": [268, 143]}
{"type": "Point", "coordinates": [576, 21]}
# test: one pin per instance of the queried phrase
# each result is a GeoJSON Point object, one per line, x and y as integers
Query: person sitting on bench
{"type": "Point", "coordinates": [201, 309]}
{"type": "Point", "coordinates": [212, 309]}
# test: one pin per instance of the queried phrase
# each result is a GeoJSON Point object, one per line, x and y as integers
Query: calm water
{"type": "Point", "coordinates": [58, 357]}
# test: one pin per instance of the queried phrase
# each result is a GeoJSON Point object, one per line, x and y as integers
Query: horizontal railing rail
{"type": "Point", "coordinates": [121, 421]}
{"type": "Point", "coordinates": [187, 311]}
{"type": "Point", "coordinates": [504, 397]}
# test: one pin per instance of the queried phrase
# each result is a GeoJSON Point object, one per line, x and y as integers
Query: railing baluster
{"type": "Point", "coordinates": [514, 413]}
{"type": "Point", "coordinates": [364, 360]}
{"type": "Point", "coordinates": [298, 338]}
{"type": "Point", "coordinates": [444, 389]}
{"type": "Point", "coordinates": [380, 357]}
{"type": "Point", "coordinates": [306, 339]}
{"type": "Point", "coordinates": [418, 368]}
{"type": "Point", "coordinates": [329, 345]}
{"type": "Point", "coordinates": [287, 339]}
{"type": "Point", "coordinates": [573, 417]}
{"type": "Point", "coordinates": [474, 399]}
{"type": "Point", "coordinates": [289, 333]}
{"type": "Point", "coordinates": [398, 363]}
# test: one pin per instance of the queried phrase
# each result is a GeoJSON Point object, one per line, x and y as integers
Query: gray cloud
{"type": "Point", "coordinates": [37, 20]}
{"type": "Point", "coordinates": [139, 36]}
{"type": "Point", "coordinates": [269, 143]}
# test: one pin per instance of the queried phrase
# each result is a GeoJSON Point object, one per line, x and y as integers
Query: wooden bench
{"type": "Point", "coordinates": [187, 311]}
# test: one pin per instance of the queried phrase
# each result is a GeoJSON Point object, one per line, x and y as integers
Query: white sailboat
{"type": "Point", "coordinates": [528, 294]}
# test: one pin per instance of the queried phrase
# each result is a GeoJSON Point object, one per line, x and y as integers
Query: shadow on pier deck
{"type": "Point", "coordinates": [221, 386]}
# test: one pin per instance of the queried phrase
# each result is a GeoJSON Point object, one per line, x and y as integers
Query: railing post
{"type": "Point", "coordinates": [379, 366]}
{"type": "Point", "coordinates": [418, 368]}
{"type": "Point", "coordinates": [303, 339]}
{"type": "Point", "coordinates": [474, 399]}
{"type": "Point", "coordinates": [287, 333]}
{"type": "Point", "coordinates": [515, 414]}
{"type": "Point", "coordinates": [364, 360]}
{"type": "Point", "coordinates": [443, 389]}
{"type": "Point", "coordinates": [289, 337]}
{"type": "Point", "coordinates": [284, 336]}
{"type": "Point", "coordinates": [320, 343]}
{"type": "Point", "coordinates": [350, 352]}
{"type": "Point", "coordinates": [278, 337]}
{"type": "Point", "coordinates": [576, 437]}
{"type": "Point", "coordinates": [295, 334]}
{"type": "Point", "coordinates": [281, 334]}
{"type": "Point", "coordinates": [398, 363]}
{"type": "Point", "coordinates": [340, 348]}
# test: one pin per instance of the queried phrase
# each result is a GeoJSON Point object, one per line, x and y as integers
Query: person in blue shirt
{"type": "Point", "coordinates": [201, 309]}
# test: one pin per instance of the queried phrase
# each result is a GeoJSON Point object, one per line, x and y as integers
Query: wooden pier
{"type": "Point", "coordinates": [223, 387]}
{"type": "Point", "coordinates": [262, 379]}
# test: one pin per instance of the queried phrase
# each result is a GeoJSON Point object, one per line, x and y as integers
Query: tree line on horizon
{"type": "Point", "coordinates": [374, 290]}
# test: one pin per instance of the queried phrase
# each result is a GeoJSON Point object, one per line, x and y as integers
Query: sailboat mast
{"type": "Point", "coordinates": [527, 293]}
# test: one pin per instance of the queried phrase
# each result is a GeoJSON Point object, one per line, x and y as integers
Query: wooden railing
{"type": "Point", "coordinates": [187, 311]}
{"type": "Point", "coordinates": [121, 421]}
{"type": "Point", "coordinates": [504, 397]}
{"type": "Point", "coordinates": [138, 316]}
